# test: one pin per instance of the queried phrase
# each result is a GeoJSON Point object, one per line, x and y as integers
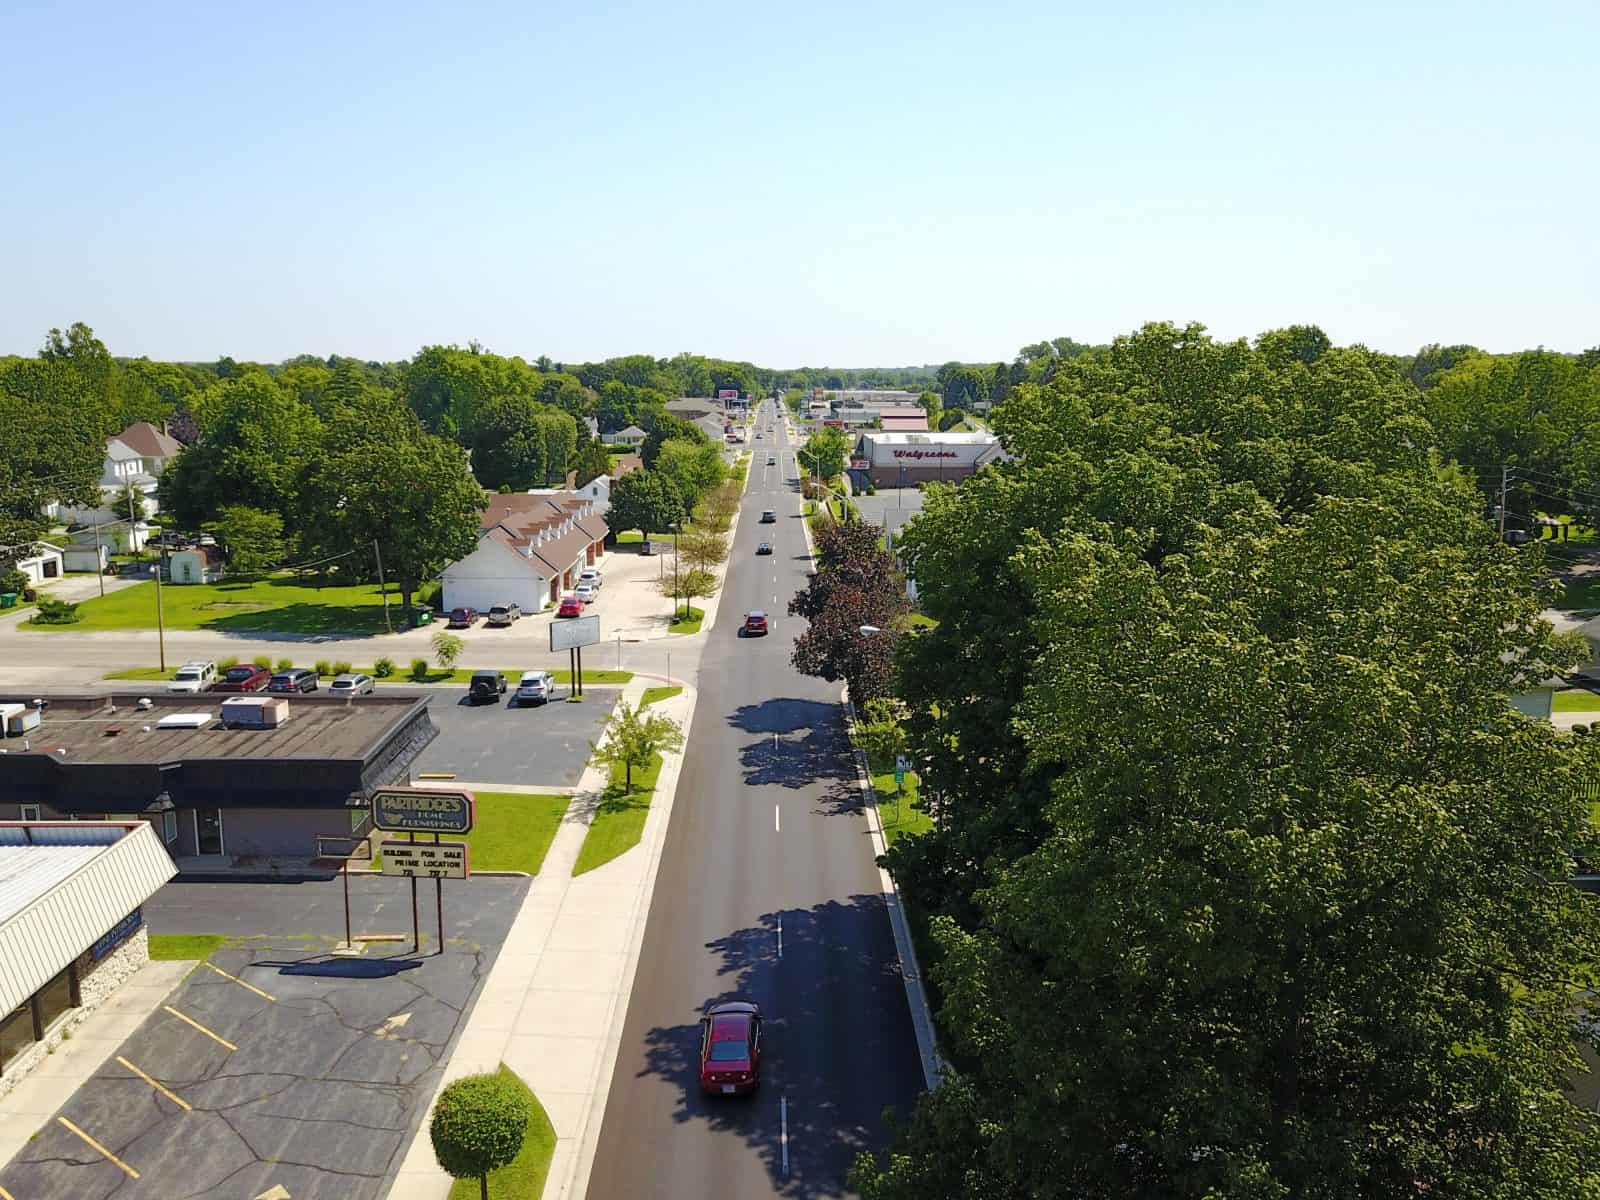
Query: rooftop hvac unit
{"type": "Point", "coordinates": [185, 721]}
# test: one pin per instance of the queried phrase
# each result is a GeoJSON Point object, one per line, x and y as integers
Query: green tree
{"type": "Point", "coordinates": [520, 442]}
{"type": "Point", "coordinates": [252, 537]}
{"type": "Point", "coordinates": [647, 501]}
{"type": "Point", "coordinates": [931, 403]}
{"type": "Point", "coordinates": [693, 468]}
{"type": "Point", "coordinates": [447, 647]}
{"type": "Point", "coordinates": [591, 462]}
{"type": "Point", "coordinates": [670, 428]}
{"type": "Point", "coordinates": [825, 452]}
{"type": "Point", "coordinates": [51, 448]}
{"type": "Point", "coordinates": [632, 737]}
{"type": "Point", "coordinates": [1233, 810]}
{"type": "Point", "coordinates": [687, 585]}
{"type": "Point", "coordinates": [702, 548]}
{"type": "Point", "coordinates": [379, 477]}
{"type": "Point", "coordinates": [478, 1125]}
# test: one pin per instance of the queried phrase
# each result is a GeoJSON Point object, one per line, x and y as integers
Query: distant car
{"type": "Point", "coordinates": [246, 677]}
{"type": "Point", "coordinates": [535, 687]}
{"type": "Point", "coordinates": [758, 435]}
{"type": "Point", "coordinates": [768, 517]}
{"type": "Point", "coordinates": [503, 614]}
{"type": "Point", "coordinates": [755, 625]}
{"type": "Point", "coordinates": [591, 575]}
{"type": "Point", "coordinates": [587, 592]}
{"type": "Point", "coordinates": [462, 618]}
{"type": "Point", "coordinates": [772, 460]}
{"type": "Point", "coordinates": [730, 1048]}
{"type": "Point", "coordinates": [764, 548]}
{"type": "Point", "coordinates": [571, 606]}
{"type": "Point", "coordinates": [297, 680]}
{"type": "Point", "coordinates": [351, 684]}
{"type": "Point", "coordinates": [193, 677]}
{"type": "Point", "coordinates": [486, 685]}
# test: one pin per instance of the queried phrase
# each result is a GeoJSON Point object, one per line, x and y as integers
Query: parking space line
{"type": "Point", "coordinates": [98, 1147]}
{"type": "Point", "coordinates": [5, 1195]}
{"type": "Point", "coordinates": [222, 1041]}
{"type": "Point", "coordinates": [170, 1095]}
{"type": "Point", "coordinates": [252, 987]}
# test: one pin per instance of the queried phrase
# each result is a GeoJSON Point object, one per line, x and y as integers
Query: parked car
{"type": "Point", "coordinates": [591, 575]}
{"type": "Point", "coordinates": [246, 677]}
{"type": "Point", "coordinates": [193, 677]}
{"type": "Point", "coordinates": [764, 548]}
{"type": "Point", "coordinates": [587, 592]}
{"type": "Point", "coordinates": [486, 685]}
{"type": "Point", "coordinates": [768, 517]}
{"type": "Point", "coordinates": [351, 684]}
{"type": "Point", "coordinates": [772, 460]}
{"type": "Point", "coordinates": [503, 614]}
{"type": "Point", "coordinates": [730, 1048]}
{"type": "Point", "coordinates": [571, 606]}
{"type": "Point", "coordinates": [463, 618]}
{"type": "Point", "coordinates": [297, 680]}
{"type": "Point", "coordinates": [535, 687]}
{"type": "Point", "coordinates": [755, 625]}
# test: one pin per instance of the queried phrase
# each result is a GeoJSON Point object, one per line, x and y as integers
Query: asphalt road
{"type": "Point", "coordinates": [284, 1066]}
{"type": "Point", "coordinates": [767, 892]}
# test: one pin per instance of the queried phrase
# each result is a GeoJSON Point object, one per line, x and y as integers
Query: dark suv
{"type": "Point", "coordinates": [486, 685]}
{"type": "Point", "coordinates": [297, 680]}
{"type": "Point", "coordinates": [462, 618]}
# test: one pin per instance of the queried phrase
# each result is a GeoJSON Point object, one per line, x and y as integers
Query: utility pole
{"type": "Point", "coordinates": [1505, 479]}
{"type": "Point", "coordinates": [161, 625]}
{"type": "Point", "coordinates": [383, 586]}
{"type": "Point", "coordinates": [99, 570]}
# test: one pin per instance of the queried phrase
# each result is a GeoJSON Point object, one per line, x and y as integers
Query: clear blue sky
{"type": "Point", "coordinates": [844, 183]}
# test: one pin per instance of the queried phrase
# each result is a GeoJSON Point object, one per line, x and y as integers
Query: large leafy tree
{"type": "Point", "coordinates": [252, 538]}
{"type": "Point", "coordinates": [52, 447]}
{"type": "Point", "coordinates": [856, 585]}
{"type": "Point", "coordinates": [255, 436]}
{"type": "Point", "coordinates": [591, 461]}
{"type": "Point", "coordinates": [1232, 811]}
{"type": "Point", "coordinates": [670, 428]}
{"type": "Point", "coordinates": [379, 477]}
{"type": "Point", "coordinates": [520, 442]}
{"type": "Point", "coordinates": [694, 468]}
{"type": "Point", "coordinates": [647, 501]}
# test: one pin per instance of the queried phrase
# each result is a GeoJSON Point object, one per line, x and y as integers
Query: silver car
{"type": "Point", "coordinates": [535, 687]}
{"type": "Point", "coordinates": [352, 685]}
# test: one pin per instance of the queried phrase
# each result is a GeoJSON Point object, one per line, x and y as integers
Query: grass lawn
{"type": "Point", "coordinates": [278, 604]}
{"type": "Point", "coordinates": [1581, 594]}
{"type": "Point", "coordinates": [918, 620]}
{"type": "Point", "coordinates": [629, 537]}
{"type": "Point", "coordinates": [1576, 700]}
{"type": "Point", "coordinates": [511, 832]}
{"type": "Point", "coordinates": [908, 818]}
{"type": "Point", "coordinates": [523, 1177]}
{"type": "Point", "coordinates": [183, 947]}
{"type": "Point", "coordinates": [651, 695]}
{"type": "Point", "coordinates": [619, 821]}
{"type": "Point", "coordinates": [688, 624]}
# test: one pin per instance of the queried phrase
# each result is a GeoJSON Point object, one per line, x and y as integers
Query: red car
{"type": "Point", "coordinates": [730, 1048]}
{"type": "Point", "coordinates": [571, 606]}
{"type": "Point", "coordinates": [246, 677]}
{"type": "Point", "coordinates": [462, 618]}
{"type": "Point", "coordinates": [755, 625]}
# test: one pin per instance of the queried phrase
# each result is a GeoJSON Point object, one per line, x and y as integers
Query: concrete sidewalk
{"type": "Point", "coordinates": [553, 1004]}
{"type": "Point", "coordinates": [94, 1039]}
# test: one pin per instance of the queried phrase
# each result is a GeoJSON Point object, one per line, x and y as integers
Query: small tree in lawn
{"type": "Point", "coordinates": [688, 585]}
{"type": "Point", "coordinates": [632, 737]}
{"type": "Point", "coordinates": [882, 735]}
{"type": "Point", "coordinates": [447, 648]}
{"type": "Point", "coordinates": [478, 1125]}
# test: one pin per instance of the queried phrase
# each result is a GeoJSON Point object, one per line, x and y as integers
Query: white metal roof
{"type": "Point", "coordinates": [62, 886]}
{"type": "Point", "coordinates": [908, 438]}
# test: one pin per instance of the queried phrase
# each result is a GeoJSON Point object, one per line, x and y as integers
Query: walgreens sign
{"type": "Point", "coordinates": [915, 454]}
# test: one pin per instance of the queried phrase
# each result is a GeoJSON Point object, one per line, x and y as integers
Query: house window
{"type": "Point", "coordinates": [169, 826]}
{"type": "Point", "coordinates": [54, 999]}
{"type": "Point", "coordinates": [30, 812]}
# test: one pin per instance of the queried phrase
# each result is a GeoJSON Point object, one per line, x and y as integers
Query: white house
{"type": "Point", "coordinates": [197, 564]}
{"type": "Point", "coordinates": [631, 436]}
{"type": "Point", "coordinates": [89, 558]}
{"type": "Point", "coordinates": [135, 460]}
{"type": "Point", "coordinates": [597, 491]}
{"type": "Point", "coordinates": [531, 549]}
{"type": "Point", "coordinates": [43, 565]}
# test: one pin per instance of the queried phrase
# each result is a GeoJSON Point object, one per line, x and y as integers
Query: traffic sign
{"type": "Point", "coordinates": [422, 810]}
{"type": "Point", "coordinates": [426, 860]}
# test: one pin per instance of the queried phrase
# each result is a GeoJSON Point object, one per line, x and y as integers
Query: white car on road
{"type": "Point", "coordinates": [587, 592]}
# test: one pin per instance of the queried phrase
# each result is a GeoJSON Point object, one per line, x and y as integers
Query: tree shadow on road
{"type": "Point", "coordinates": [839, 1046]}
{"type": "Point", "coordinates": [809, 746]}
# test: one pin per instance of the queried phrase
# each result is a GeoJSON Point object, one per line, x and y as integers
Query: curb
{"type": "Point", "coordinates": [910, 969]}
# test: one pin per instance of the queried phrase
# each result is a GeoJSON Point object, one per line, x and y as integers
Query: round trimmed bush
{"type": "Point", "coordinates": [286, 664]}
{"type": "Point", "coordinates": [419, 668]}
{"type": "Point", "coordinates": [341, 668]}
{"type": "Point", "coordinates": [383, 668]}
{"type": "Point", "coordinates": [478, 1125]}
{"type": "Point", "coordinates": [322, 669]}
{"type": "Point", "coordinates": [228, 662]}
{"type": "Point", "coordinates": [263, 660]}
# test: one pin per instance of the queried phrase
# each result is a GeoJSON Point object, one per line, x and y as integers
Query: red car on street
{"type": "Point", "coordinates": [730, 1048]}
{"type": "Point", "coordinates": [571, 606]}
{"type": "Point", "coordinates": [755, 625]}
{"type": "Point", "coordinates": [246, 677]}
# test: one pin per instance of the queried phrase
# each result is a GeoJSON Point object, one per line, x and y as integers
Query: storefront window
{"type": "Point", "coordinates": [16, 1035]}
{"type": "Point", "coordinates": [54, 999]}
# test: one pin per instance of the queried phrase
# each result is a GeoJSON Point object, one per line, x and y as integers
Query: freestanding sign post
{"type": "Point", "coordinates": [425, 810]}
{"type": "Point", "coordinates": [573, 635]}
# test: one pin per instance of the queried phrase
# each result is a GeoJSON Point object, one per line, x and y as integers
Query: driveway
{"type": "Point", "coordinates": [277, 1065]}
{"type": "Point", "coordinates": [543, 746]}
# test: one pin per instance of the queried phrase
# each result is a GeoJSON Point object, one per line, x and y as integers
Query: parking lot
{"type": "Point", "coordinates": [277, 1065]}
{"type": "Point", "coordinates": [542, 746]}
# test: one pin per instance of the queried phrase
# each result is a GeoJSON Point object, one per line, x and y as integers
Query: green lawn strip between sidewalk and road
{"type": "Point", "coordinates": [688, 624]}
{"type": "Point", "coordinates": [619, 819]}
{"type": "Point", "coordinates": [511, 831]}
{"type": "Point", "coordinates": [461, 675]}
{"type": "Point", "coordinates": [909, 817]}
{"type": "Point", "coordinates": [183, 947]}
{"type": "Point", "coordinates": [523, 1177]}
{"type": "Point", "coordinates": [275, 604]}
{"type": "Point", "coordinates": [654, 694]}
{"type": "Point", "coordinates": [1576, 700]}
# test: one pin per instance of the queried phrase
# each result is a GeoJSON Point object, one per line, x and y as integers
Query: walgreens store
{"type": "Point", "coordinates": [907, 459]}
